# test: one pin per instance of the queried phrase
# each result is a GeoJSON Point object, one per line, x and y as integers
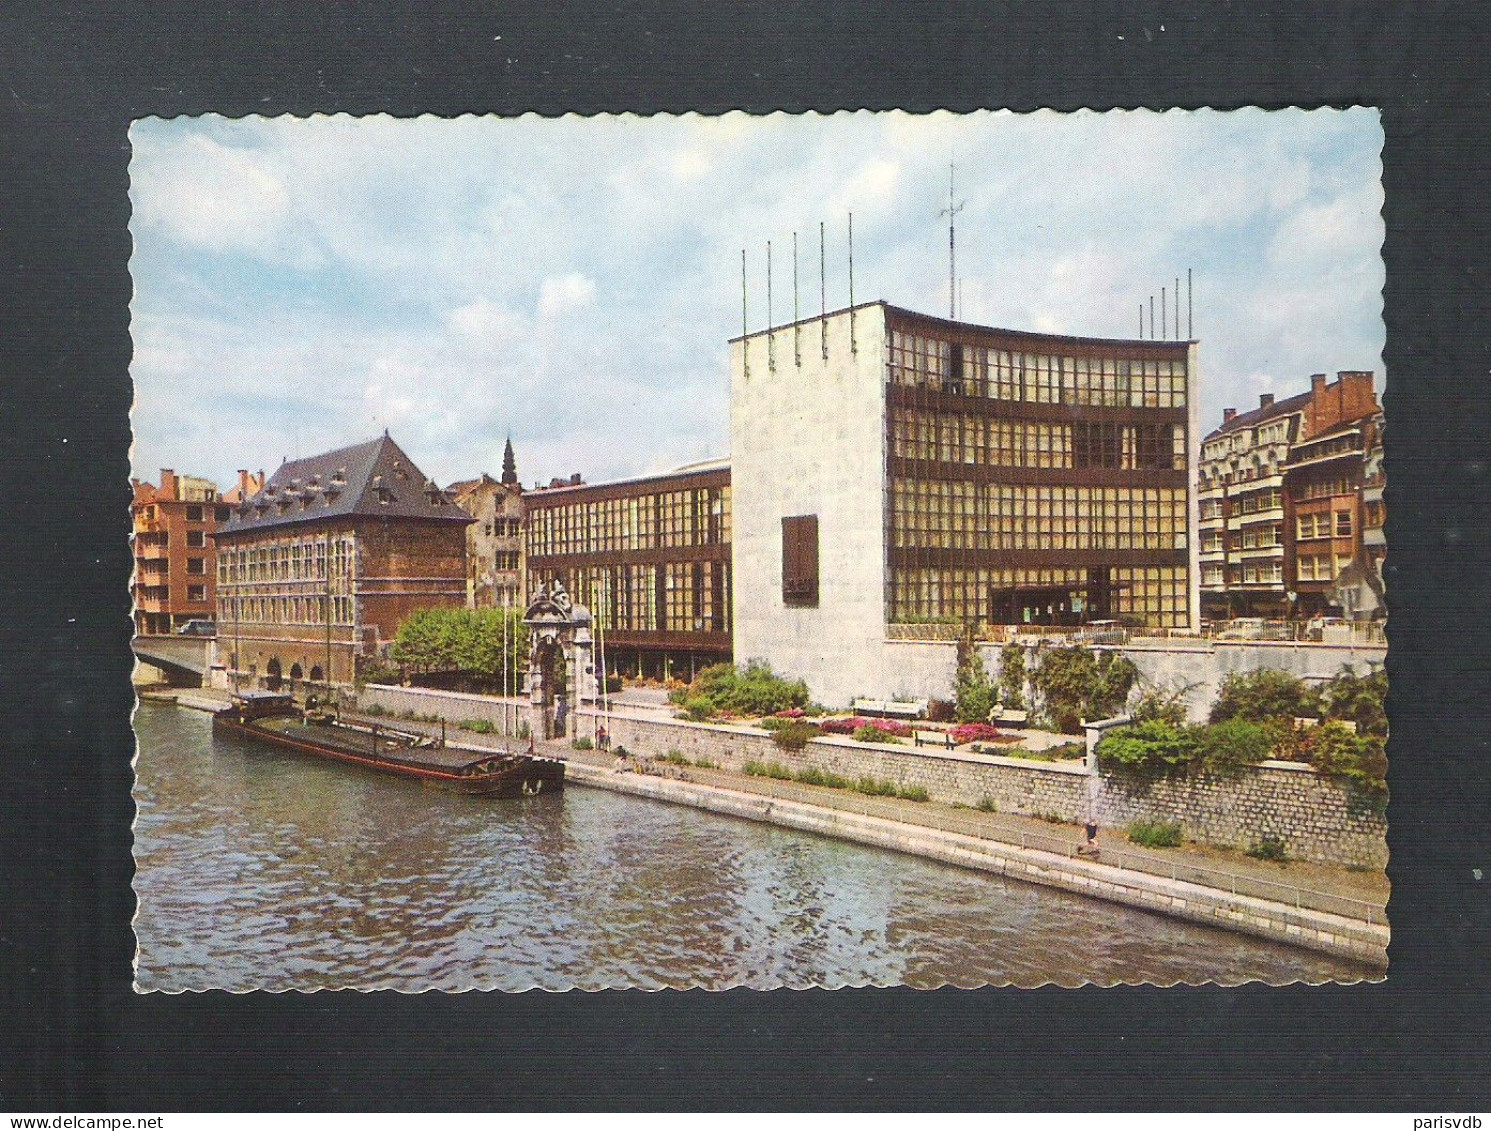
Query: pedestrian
{"type": "Point", "coordinates": [1092, 836]}
{"type": "Point", "coordinates": [602, 739]}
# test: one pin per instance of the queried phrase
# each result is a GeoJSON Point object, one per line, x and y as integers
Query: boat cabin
{"type": "Point", "coordinates": [262, 704]}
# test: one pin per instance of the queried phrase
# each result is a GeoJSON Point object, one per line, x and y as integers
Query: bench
{"type": "Point", "coordinates": [1005, 717]}
{"type": "Point", "coordinates": [888, 709]}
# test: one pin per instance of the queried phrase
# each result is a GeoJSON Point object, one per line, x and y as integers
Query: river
{"type": "Point", "coordinates": [265, 870]}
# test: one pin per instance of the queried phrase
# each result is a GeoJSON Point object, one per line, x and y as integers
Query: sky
{"type": "Point", "coordinates": [303, 284]}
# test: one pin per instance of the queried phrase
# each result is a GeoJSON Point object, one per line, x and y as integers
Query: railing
{"type": "Point", "coordinates": [991, 828]}
{"type": "Point", "coordinates": [1340, 634]}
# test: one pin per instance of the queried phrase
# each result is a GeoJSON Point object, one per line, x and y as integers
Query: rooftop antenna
{"type": "Point", "coordinates": [853, 345]}
{"type": "Point", "coordinates": [1190, 308]}
{"type": "Point", "coordinates": [796, 312]}
{"type": "Point", "coordinates": [1141, 321]}
{"type": "Point", "coordinates": [951, 212]}
{"type": "Point", "coordinates": [1151, 317]}
{"type": "Point", "coordinates": [822, 292]}
{"type": "Point", "coordinates": [1164, 332]}
{"type": "Point", "coordinates": [745, 327]}
{"type": "Point", "coordinates": [771, 337]}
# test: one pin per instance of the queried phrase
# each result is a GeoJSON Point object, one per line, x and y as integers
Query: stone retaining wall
{"type": "Point", "coordinates": [1312, 815]}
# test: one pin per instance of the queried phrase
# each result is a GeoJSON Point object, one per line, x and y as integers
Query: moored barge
{"type": "Point", "coordinates": [274, 718]}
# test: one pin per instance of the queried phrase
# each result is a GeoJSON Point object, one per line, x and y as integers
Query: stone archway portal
{"type": "Point", "coordinates": [561, 674]}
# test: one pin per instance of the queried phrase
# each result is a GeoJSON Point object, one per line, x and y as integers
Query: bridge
{"type": "Point", "coordinates": [185, 660]}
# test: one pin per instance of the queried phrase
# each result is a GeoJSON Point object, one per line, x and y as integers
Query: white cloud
{"type": "Point", "coordinates": [559, 295]}
{"type": "Point", "coordinates": [574, 279]}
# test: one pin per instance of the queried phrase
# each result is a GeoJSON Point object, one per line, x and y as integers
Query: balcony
{"type": "Point", "coordinates": [152, 549]}
{"type": "Point", "coordinates": [1274, 551]}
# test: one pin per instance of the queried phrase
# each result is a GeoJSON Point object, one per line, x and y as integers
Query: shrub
{"type": "Point", "coordinates": [698, 708]}
{"type": "Point", "coordinates": [706, 763]}
{"type": "Point", "coordinates": [524, 732]}
{"type": "Point", "coordinates": [790, 713]}
{"type": "Point", "coordinates": [621, 751]}
{"type": "Point", "coordinates": [377, 710]}
{"type": "Point", "coordinates": [795, 735]}
{"type": "Point", "coordinates": [974, 732]}
{"type": "Point", "coordinates": [973, 690]}
{"type": "Point", "coordinates": [1067, 752]}
{"type": "Point", "coordinates": [778, 771]}
{"type": "Point", "coordinates": [1362, 700]}
{"type": "Point", "coordinates": [582, 743]}
{"type": "Point", "coordinates": [914, 793]}
{"type": "Point", "coordinates": [814, 776]}
{"type": "Point", "coordinates": [1155, 834]}
{"type": "Point", "coordinates": [1258, 696]}
{"type": "Point", "coordinates": [754, 769]}
{"type": "Point", "coordinates": [752, 690]}
{"type": "Point", "coordinates": [1357, 761]}
{"type": "Point", "coordinates": [876, 787]}
{"type": "Point", "coordinates": [1230, 746]}
{"type": "Point", "coordinates": [674, 758]}
{"type": "Point", "coordinates": [773, 722]}
{"type": "Point", "coordinates": [986, 805]}
{"type": "Point", "coordinates": [479, 726]}
{"type": "Point", "coordinates": [1148, 749]}
{"type": "Point", "coordinates": [377, 671]}
{"type": "Point", "coordinates": [941, 710]}
{"type": "Point", "coordinates": [1269, 848]}
{"type": "Point", "coordinates": [858, 722]}
{"type": "Point", "coordinates": [1076, 683]}
{"type": "Point", "coordinates": [1161, 704]}
{"type": "Point", "coordinates": [874, 733]}
{"type": "Point", "coordinates": [1012, 676]}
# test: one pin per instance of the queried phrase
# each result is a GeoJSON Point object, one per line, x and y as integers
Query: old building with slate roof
{"type": "Point", "coordinates": [318, 568]}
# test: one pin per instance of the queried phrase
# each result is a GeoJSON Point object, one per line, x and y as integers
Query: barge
{"type": "Point", "coordinates": [273, 718]}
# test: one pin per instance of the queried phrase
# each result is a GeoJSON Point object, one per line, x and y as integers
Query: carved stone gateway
{"type": "Point", "coordinates": [561, 666]}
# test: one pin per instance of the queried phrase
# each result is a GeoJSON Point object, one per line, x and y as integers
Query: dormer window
{"type": "Point", "coordinates": [380, 489]}
{"type": "Point", "coordinates": [399, 472]}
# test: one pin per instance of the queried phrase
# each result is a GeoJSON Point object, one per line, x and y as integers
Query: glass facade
{"type": "Point", "coordinates": [1040, 484]}
{"type": "Point", "coordinates": [650, 559]}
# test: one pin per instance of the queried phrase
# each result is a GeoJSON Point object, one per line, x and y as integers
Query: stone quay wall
{"type": "Point", "coordinates": [1313, 816]}
{"type": "Point", "coordinates": [505, 715]}
{"type": "Point", "coordinates": [1309, 813]}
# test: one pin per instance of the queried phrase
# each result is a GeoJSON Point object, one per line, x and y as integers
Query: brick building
{"type": "Point", "coordinates": [175, 556]}
{"type": "Point", "coordinates": [494, 542]}
{"type": "Point", "coordinates": [317, 570]}
{"type": "Point", "coordinates": [1283, 500]}
{"type": "Point", "coordinates": [1323, 483]}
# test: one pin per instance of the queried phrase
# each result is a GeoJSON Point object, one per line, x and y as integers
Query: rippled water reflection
{"type": "Point", "coordinates": [263, 870]}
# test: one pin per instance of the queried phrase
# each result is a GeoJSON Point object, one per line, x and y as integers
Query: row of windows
{"type": "Point", "coordinates": [504, 527]}
{"type": "Point", "coordinates": [1255, 501]}
{"type": "Point", "coordinates": [1326, 488]}
{"type": "Point", "coordinates": [1262, 536]}
{"type": "Point", "coordinates": [1320, 567]}
{"type": "Point", "coordinates": [285, 610]}
{"type": "Point", "coordinates": [956, 438]}
{"type": "Point", "coordinates": [922, 362]}
{"type": "Point", "coordinates": [301, 559]}
{"type": "Point", "coordinates": [1157, 595]}
{"type": "Point", "coordinates": [670, 597]}
{"type": "Point", "coordinates": [1003, 516]}
{"type": "Point", "coordinates": [163, 592]}
{"type": "Point", "coordinates": [698, 517]}
{"type": "Point", "coordinates": [1320, 526]}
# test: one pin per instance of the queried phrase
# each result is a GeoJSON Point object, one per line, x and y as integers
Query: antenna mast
{"type": "Point", "coordinates": [951, 212]}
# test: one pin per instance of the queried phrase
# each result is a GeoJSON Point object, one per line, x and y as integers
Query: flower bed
{"type": "Point", "coordinates": [977, 732]}
{"type": "Point", "coordinates": [859, 722]}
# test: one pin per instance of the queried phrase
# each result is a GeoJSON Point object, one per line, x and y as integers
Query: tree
{"type": "Point", "coordinates": [1359, 699]}
{"type": "Point", "coordinates": [973, 690]}
{"type": "Point", "coordinates": [1077, 683]}
{"type": "Point", "coordinates": [489, 646]}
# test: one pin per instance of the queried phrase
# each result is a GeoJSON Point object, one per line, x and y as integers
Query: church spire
{"type": "Point", "coordinates": [509, 464]}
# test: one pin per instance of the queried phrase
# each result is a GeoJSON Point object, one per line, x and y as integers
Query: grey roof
{"type": "Point", "coordinates": [1263, 414]}
{"type": "Point", "coordinates": [375, 479]}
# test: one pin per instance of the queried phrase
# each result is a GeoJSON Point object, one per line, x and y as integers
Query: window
{"type": "Point", "coordinates": [193, 514]}
{"type": "Point", "coordinates": [196, 593]}
{"type": "Point", "coordinates": [196, 539]}
{"type": "Point", "coordinates": [196, 565]}
{"type": "Point", "coordinates": [1096, 445]}
{"type": "Point", "coordinates": [1343, 524]}
{"type": "Point", "coordinates": [800, 561]}
{"type": "Point", "coordinates": [220, 514]}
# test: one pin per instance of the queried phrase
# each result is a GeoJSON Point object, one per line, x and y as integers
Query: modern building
{"type": "Point", "coordinates": [892, 469]}
{"type": "Point", "coordinates": [1241, 503]}
{"type": "Point", "coordinates": [317, 570]}
{"type": "Point", "coordinates": [649, 557]}
{"type": "Point", "coordinates": [1323, 485]}
{"type": "Point", "coordinates": [494, 542]}
{"type": "Point", "coordinates": [175, 555]}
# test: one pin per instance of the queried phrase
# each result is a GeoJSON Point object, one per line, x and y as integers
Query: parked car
{"type": "Point", "coordinates": [198, 627]}
{"type": "Point", "coordinates": [1244, 628]}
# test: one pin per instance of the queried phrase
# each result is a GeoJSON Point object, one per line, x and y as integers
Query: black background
{"type": "Point", "coordinates": [74, 1036]}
